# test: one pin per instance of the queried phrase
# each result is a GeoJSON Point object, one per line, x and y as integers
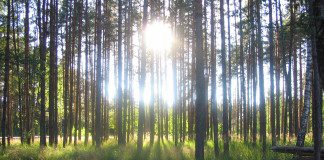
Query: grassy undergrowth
{"type": "Point", "coordinates": [165, 150]}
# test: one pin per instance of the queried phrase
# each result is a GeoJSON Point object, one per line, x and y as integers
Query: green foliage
{"type": "Point", "coordinates": [164, 150]}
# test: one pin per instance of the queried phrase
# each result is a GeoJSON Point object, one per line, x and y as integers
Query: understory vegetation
{"type": "Point", "coordinates": [163, 150]}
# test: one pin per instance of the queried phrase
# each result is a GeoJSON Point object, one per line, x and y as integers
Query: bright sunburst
{"type": "Point", "coordinates": [158, 36]}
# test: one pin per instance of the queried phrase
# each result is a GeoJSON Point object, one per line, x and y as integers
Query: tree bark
{"type": "Point", "coordinates": [213, 78]}
{"type": "Point", "coordinates": [272, 100]}
{"type": "Point", "coordinates": [5, 101]}
{"type": "Point", "coordinates": [141, 116]}
{"type": "Point", "coordinates": [200, 82]}
{"type": "Point", "coordinates": [98, 123]}
{"type": "Point", "coordinates": [261, 82]}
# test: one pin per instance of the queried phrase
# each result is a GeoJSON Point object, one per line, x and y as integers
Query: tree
{"type": "Point", "coordinates": [242, 72]}
{"type": "Point", "coordinates": [272, 101]}
{"type": "Point", "coordinates": [223, 59]}
{"type": "Point", "coordinates": [98, 89]}
{"type": "Point", "coordinates": [142, 78]}
{"type": "Point", "coordinates": [5, 101]}
{"type": "Point", "coordinates": [72, 59]}
{"type": "Point", "coordinates": [86, 89]}
{"type": "Point", "coordinates": [317, 56]}
{"type": "Point", "coordinates": [277, 76]}
{"type": "Point", "coordinates": [26, 85]}
{"type": "Point", "coordinates": [261, 82]}
{"type": "Point", "coordinates": [121, 138]}
{"type": "Point", "coordinates": [200, 82]}
{"type": "Point", "coordinates": [229, 68]}
{"type": "Point", "coordinates": [213, 77]}
{"type": "Point", "coordinates": [42, 50]}
{"type": "Point", "coordinates": [294, 50]}
{"type": "Point", "coordinates": [175, 84]}
{"type": "Point", "coordinates": [78, 90]}
{"type": "Point", "coordinates": [307, 97]}
{"type": "Point", "coordinates": [254, 72]}
{"type": "Point", "coordinates": [53, 74]}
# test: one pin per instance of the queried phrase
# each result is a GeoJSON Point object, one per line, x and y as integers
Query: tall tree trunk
{"type": "Point", "coordinates": [307, 98]}
{"type": "Point", "coordinates": [223, 59]}
{"type": "Point", "coordinates": [42, 37]}
{"type": "Point", "coordinates": [72, 59]}
{"type": "Point", "coordinates": [5, 102]}
{"type": "Point", "coordinates": [213, 78]}
{"type": "Point", "coordinates": [272, 101]}
{"type": "Point", "coordinates": [86, 82]}
{"type": "Point", "coordinates": [98, 123]}
{"type": "Point", "coordinates": [296, 114]}
{"type": "Point", "coordinates": [242, 72]}
{"type": "Point", "coordinates": [175, 87]}
{"type": "Point", "coordinates": [317, 36]}
{"type": "Point", "coordinates": [141, 115]}
{"type": "Point", "coordinates": [229, 68]}
{"type": "Point", "coordinates": [254, 71]}
{"type": "Point", "coordinates": [27, 104]}
{"type": "Point", "coordinates": [261, 84]}
{"type": "Point", "coordinates": [78, 87]}
{"type": "Point", "coordinates": [125, 82]}
{"type": "Point", "coordinates": [53, 75]}
{"type": "Point", "coordinates": [292, 106]}
{"type": "Point", "coordinates": [200, 82]}
{"type": "Point", "coordinates": [121, 139]}
{"type": "Point", "coordinates": [277, 75]}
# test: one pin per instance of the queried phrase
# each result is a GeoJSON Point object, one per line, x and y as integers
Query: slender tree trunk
{"type": "Point", "coordinates": [42, 37]}
{"type": "Point", "coordinates": [300, 106]}
{"type": "Point", "coordinates": [53, 75]}
{"type": "Point", "coordinates": [307, 97]}
{"type": "Point", "coordinates": [141, 116]}
{"type": "Point", "coordinates": [254, 72]}
{"type": "Point", "coordinates": [200, 82]}
{"type": "Point", "coordinates": [78, 85]}
{"type": "Point", "coordinates": [27, 104]}
{"type": "Point", "coordinates": [98, 123]}
{"type": "Point", "coordinates": [261, 84]}
{"type": "Point", "coordinates": [223, 59]}
{"type": "Point", "coordinates": [277, 76]}
{"type": "Point", "coordinates": [229, 68]}
{"type": "Point", "coordinates": [242, 72]}
{"type": "Point", "coordinates": [86, 82]}
{"type": "Point", "coordinates": [213, 78]}
{"type": "Point", "coordinates": [272, 100]}
{"type": "Point", "coordinates": [152, 115]}
{"type": "Point", "coordinates": [121, 138]}
{"type": "Point", "coordinates": [5, 101]}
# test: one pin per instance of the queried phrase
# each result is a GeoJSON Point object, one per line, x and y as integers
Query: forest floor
{"type": "Point", "coordinates": [165, 150]}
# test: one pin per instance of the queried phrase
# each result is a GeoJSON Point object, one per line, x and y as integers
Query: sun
{"type": "Point", "coordinates": [158, 36]}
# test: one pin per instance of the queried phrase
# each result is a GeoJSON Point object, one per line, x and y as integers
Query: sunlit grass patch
{"type": "Point", "coordinates": [159, 150]}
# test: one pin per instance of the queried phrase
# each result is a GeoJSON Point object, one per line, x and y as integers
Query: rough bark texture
{"type": "Point", "coordinates": [307, 98]}
{"type": "Point", "coordinates": [200, 82]}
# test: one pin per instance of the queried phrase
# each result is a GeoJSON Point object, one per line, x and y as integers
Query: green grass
{"type": "Point", "coordinates": [158, 151]}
